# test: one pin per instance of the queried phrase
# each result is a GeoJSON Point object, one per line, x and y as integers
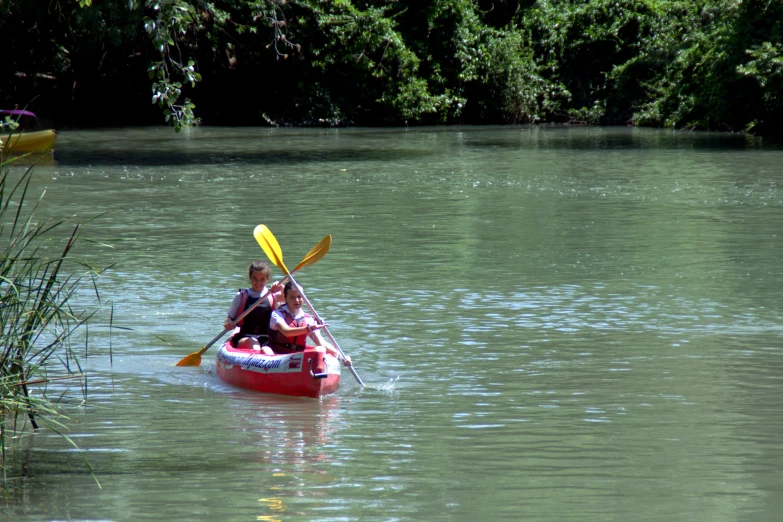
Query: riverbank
{"type": "Point", "coordinates": [711, 65]}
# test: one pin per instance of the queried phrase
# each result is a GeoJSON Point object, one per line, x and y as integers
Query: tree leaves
{"type": "Point", "coordinates": [679, 63]}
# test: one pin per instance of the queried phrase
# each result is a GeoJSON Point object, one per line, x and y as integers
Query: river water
{"type": "Point", "coordinates": [552, 323]}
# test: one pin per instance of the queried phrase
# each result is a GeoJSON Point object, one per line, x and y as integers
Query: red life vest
{"type": "Point", "coordinates": [282, 344]}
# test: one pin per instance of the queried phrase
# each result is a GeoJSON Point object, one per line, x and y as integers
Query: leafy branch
{"type": "Point", "coordinates": [271, 12]}
{"type": "Point", "coordinates": [172, 21]}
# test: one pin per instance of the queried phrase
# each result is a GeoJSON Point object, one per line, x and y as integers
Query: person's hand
{"type": "Point", "coordinates": [276, 287]}
{"type": "Point", "coordinates": [228, 324]}
{"type": "Point", "coordinates": [347, 361]}
{"type": "Point", "coordinates": [317, 326]}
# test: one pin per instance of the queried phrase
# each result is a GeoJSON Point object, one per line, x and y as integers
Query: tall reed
{"type": "Point", "coordinates": [38, 281]}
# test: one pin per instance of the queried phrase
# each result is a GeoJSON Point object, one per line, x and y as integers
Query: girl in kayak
{"type": "Point", "coordinates": [253, 328]}
{"type": "Point", "coordinates": [290, 326]}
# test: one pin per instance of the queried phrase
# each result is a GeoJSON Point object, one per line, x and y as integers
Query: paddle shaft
{"type": "Point", "coordinates": [210, 343]}
{"type": "Point", "coordinates": [268, 243]}
{"type": "Point", "coordinates": [213, 341]}
{"type": "Point", "coordinates": [252, 307]}
{"type": "Point", "coordinates": [315, 253]}
{"type": "Point", "coordinates": [331, 337]}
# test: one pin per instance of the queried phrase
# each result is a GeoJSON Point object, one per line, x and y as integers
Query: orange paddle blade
{"type": "Point", "coordinates": [194, 359]}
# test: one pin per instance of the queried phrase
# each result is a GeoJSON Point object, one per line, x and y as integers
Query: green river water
{"type": "Point", "coordinates": [552, 323]}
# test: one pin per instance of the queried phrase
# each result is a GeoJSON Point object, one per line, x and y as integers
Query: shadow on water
{"type": "Point", "coordinates": [262, 146]}
{"type": "Point", "coordinates": [175, 158]}
{"type": "Point", "coordinates": [252, 146]}
{"type": "Point", "coordinates": [613, 138]}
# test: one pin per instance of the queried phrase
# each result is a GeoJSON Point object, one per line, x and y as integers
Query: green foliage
{"type": "Point", "coordinates": [8, 124]}
{"type": "Point", "coordinates": [678, 63]}
{"type": "Point", "coordinates": [766, 65]}
{"type": "Point", "coordinates": [37, 320]}
{"type": "Point", "coordinates": [503, 81]}
{"type": "Point", "coordinates": [433, 62]}
{"type": "Point", "coordinates": [667, 62]}
{"type": "Point", "coordinates": [168, 29]}
{"type": "Point", "coordinates": [583, 47]}
{"type": "Point", "coordinates": [365, 49]}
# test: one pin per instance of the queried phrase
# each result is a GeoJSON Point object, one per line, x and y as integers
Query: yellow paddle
{"type": "Point", "coordinates": [268, 243]}
{"type": "Point", "coordinates": [313, 256]}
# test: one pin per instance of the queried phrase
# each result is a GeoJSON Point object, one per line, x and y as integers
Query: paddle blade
{"type": "Point", "coordinates": [194, 359]}
{"type": "Point", "coordinates": [316, 253]}
{"type": "Point", "coordinates": [268, 243]}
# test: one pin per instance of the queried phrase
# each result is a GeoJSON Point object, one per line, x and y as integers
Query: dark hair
{"type": "Point", "coordinates": [259, 266]}
{"type": "Point", "coordinates": [288, 286]}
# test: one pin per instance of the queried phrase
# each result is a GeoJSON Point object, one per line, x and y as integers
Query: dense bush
{"type": "Point", "coordinates": [679, 63]}
{"type": "Point", "coordinates": [696, 64]}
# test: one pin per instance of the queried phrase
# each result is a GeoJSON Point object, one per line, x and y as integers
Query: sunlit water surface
{"type": "Point", "coordinates": [552, 323]}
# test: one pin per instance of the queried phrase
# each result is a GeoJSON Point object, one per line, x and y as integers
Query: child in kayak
{"type": "Point", "coordinates": [290, 326]}
{"type": "Point", "coordinates": [253, 328]}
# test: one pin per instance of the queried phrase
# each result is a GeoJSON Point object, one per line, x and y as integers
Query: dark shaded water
{"type": "Point", "coordinates": [553, 324]}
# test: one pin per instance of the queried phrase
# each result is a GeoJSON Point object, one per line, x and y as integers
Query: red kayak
{"type": "Point", "coordinates": [306, 374]}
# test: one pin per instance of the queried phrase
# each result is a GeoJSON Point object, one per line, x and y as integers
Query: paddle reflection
{"type": "Point", "coordinates": [289, 438]}
{"type": "Point", "coordinates": [275, 505]}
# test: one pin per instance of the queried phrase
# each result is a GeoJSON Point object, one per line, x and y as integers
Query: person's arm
{"type": "Point", "coordinates": [288, 330]}
{"type": "Point", "coordinates": [230, 321]}
{"type": "Point", "coordinates": [277, 322]}
{"type": "Point", "coordinates": [277, 294]}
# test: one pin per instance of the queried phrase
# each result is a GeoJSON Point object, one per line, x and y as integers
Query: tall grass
{"type": "Point", "coordinates": [38, 282]}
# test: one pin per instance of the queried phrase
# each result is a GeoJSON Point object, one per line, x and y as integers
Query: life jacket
{"type": "Point", "coordinates": [282, 344]}
{"type": "Point", "coordinates": [257, 321]}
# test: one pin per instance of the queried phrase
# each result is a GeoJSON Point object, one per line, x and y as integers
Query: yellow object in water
{"type": "Point", "coordinates": [39, 141]}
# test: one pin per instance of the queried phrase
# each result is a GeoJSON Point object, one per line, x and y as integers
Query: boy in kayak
{"type": "Point", "coordinates": [290, 326]}
{"type": "Point", "coordinates": [253, 328]}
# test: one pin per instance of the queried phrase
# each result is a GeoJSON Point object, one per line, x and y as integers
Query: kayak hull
{"type": "Point", "coordinates": [39, 141]}
{"type": "Point", "coordinates": [306, 374]}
